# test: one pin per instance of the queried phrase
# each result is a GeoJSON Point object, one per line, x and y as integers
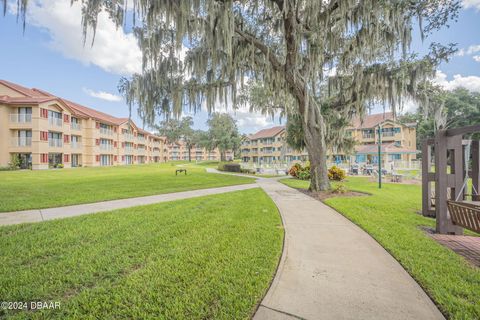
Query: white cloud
{"type": "Point", "coordinates": [469, 51]}
{"type": "Point", "coordinates": [471, 4]}
{"type": "Point", "coordinates": [471, 83]}
{"type": "Point", "coordinates": [103, 95]}
{"type": "Point", "coordinates": [113, 50]}
{"type": "Point", "coordinates": [476, 58]}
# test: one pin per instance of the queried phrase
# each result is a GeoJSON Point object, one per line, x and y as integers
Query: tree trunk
{"type": "Point", "coordinates": [222, 155]}
{"type": "Point", "coordinates": [189, 154]}
{"type": "Point", "coordinates": [314, 135]}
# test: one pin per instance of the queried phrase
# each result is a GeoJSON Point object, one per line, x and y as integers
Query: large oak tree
{"type": "Point", "coordinates": [198, 53]}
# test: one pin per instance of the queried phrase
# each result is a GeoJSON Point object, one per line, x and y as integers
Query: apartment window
{"type": "Point", "coordinates": [75, 123]}
{"type": "Point", "coordinates": [54, 139]}
{"type": "Point", "coordinates": [105, 160]}
{"type": "Point", "coordinates": [55, 118]}
{"type": "Point", "coordinates": [23, 115]}
{"type": "Point", "coordinates": [367, 133]}
{"type": "Point", "coordinates": [24, 138]}
{"type": "Point", "coordinates": [393, 157]}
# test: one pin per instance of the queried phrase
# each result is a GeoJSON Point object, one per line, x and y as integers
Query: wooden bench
{"type": "Point", "coordinates": [180, 170]}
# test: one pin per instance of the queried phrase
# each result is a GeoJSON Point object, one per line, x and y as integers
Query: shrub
{"type": "Point", "coordinates": [335, 173]}
{"type": "Point", "coordinates": [229, 166]}
{"type": "Point", "coordinates": [299, 172]}
{"type": "Point", "coordinates": [60, 165]}
{"type": "Point", "coordinates": [339, 188]}
{"type": "Point", "coordinates": [6, 168]}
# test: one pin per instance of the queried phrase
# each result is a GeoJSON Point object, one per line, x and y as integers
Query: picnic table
{"type": "Point", "coordinates": [181, 170]}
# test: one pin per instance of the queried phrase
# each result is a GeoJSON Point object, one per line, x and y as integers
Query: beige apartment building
{"type": "Point", "coordinates": [398, 143]}
{"type": "Point", "coordinates": [269, 146]}
{"type": "Point", "coordinates": [44, 131]}
{"type": "Point", "coordinates": [179, 151]}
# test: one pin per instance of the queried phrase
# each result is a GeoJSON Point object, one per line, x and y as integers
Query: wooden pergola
{"type": "Point", "coordinates": [448, 177]}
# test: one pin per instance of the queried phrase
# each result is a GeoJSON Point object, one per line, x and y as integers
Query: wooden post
{"type": "Point", "coordinates": [475, 169]}
{"type": "Point", "coordinates": [441, 182]}
{"type": "Point", "coordinates": [426, 187]}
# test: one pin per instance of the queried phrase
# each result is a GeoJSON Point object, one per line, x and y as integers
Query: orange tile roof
{"type": "Point", "coordinates": [267, 133]}
{"type": "Point", "coordinates": [372, 120]}
{"type": "Point", "coordinates": [25, 91]}
{"type": "Point", "coordinates": [35, 95]}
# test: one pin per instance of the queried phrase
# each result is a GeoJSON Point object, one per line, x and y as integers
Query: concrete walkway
{"type": "Point", "coordinates": [7, 218]}
{"type": "Point", "coordinates": [331, 269]}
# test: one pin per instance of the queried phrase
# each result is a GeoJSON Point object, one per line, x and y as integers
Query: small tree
{"type": "Point", "coordinates": [175, 130]}
{"type": "Point", "coordinates": [222, 133]}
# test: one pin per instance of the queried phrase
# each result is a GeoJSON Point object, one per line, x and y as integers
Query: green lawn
{"type": "Point", "coordinates": [389, 216]}
{"type": "Point", "coordinates": [201, 258]}
{"type": "Point", "coordinates": [21, 190]}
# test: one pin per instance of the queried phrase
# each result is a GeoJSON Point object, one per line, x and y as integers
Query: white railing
{"type": "Point", "coordinates": [57, 143]}
{"type": "Point", "coordinates": [129, 149]}
{"type": "Point", "coordinates": [106, 131]}
{"type": "Point", "coordinates": [55, 121]}
{"type": "Point", "coordinates": [388, 134]}
{"type": "Point", "coordinates": [76, 126]}
{"type": "Point", "coordinates": [128, 136]}
{"type": "Point", "coordinates": [368, 136]}
{"type": "Point", "coordinates": [141, 151]}
{"type": "Point", "coordinates": [107, 147]}
{"type": "Point", "coordinates": [76, 145]}
{"type": "Point", "coordinates": [20, 118]}
{"type": "Point", "coordinates": [22, 142]}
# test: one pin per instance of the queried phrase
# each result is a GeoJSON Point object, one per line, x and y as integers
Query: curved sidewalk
{"type": "Point", "coordinates": [37, 215]}
{"type": "Point", "coordinates": [331, 269]}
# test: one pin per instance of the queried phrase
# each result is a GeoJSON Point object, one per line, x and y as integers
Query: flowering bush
{"type": "Point", "coordinates": [335, 173]}
{"type": "Point", "coordinates": [299, 172]}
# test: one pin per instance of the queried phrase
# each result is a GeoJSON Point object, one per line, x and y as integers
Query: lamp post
{"type": "Point", "coordinates": [380, 156]}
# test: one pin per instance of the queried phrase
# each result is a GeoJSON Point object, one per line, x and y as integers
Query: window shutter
{"type": "Point", "coordinates": [123, 158]}
{"type": "Point", "coordinates": [44, 158]}
{"type": "Point", "coordinates": [123, 144]}
{"type": "Point", "coordinates": [115, 144]}
{"type": "Point", "coordinates": [97, 125]}
{"type": "Point", "coordinates": [66, 158]}
{"type": "Point", "coordinates": [97, 142]}
{"type": "Point", "coordinates": [115, 129]}
{"type": "Point", "coordinates": [97, 157]}
{"type": "Point", "coordinates": [115, 158]}
{"type": "Point", "coordinates": [43, 113]}
{"type": "Point", "coordinates": [66, 138]}
{"type": "Point", "coordinates": [43, 136]}
{"type": "Point", "coordinates": [66, 118]}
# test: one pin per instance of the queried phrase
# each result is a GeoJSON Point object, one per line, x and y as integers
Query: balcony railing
{"type": "Point", "coordinates": [57, 143]}
{"type": "Point", "coordinates": [106, 131]}
{"type": "Point", "coordinates": [20, 118]}
{"type": "Point", "coordinates": [388, 134]}
{"type": "Point", "coordinates": [129, 149]}
{"type": "Point", "coordinates": [140, 139]}
{"type": "Point", "coordinates": [76, 145]}
{"type": "Point", "coordinates": [368, 136]}
{"type": "Point", "coordinates": [141, 151]}
{"type": "Point", "coordinates": [55, 122]}
{"type": "Point", "coordinates": [76, 126]}
{"type": "Point", "coordinates": [106, 147]}
{"type": "Point", "coordinates": [22, 142]}
{"type": "Point", "coordinates": [128, 137]}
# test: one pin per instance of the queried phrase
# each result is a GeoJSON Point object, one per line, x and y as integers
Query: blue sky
{"type": "Point", "coordinates": [50, 56]}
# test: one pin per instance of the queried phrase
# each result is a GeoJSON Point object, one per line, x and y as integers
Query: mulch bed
{"type": "Point", "coordinates": [322, 195]}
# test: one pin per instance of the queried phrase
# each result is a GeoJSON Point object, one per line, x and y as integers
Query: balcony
{"type": "Point", "coordinates": [56, 143]}
{"type": "Point", "coordinates": [22, 142]}
{"type": "Point", "coordinates": [105, 131]}
{"type": "Point", "coordinates": [156, 153]}
{"type": "Point", "coordinates": [368, 136]}
{"type": "Point", "coordinates": [76, 145]}
{"type": "Point", "coordinates": [106, 147]}
{"type": "Point", "coordinates": [56, 122]}
{"type": "Point", "coordinates": [76, 126]}
{"type": "Point", "coordinates": [129, 149]}
{"type": "Point", "coordinates": [141, 151]}
{"type": "Point", "coordinates": [20, 118]}
{"type": "Point", "coordinates": [140, 139]}
{"type": "Point", "coordinates": [388, 134]}
{"type": "Point", "coordinates": [128, 137]}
